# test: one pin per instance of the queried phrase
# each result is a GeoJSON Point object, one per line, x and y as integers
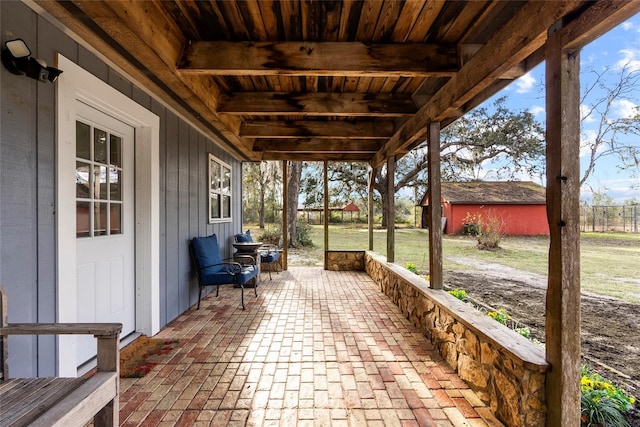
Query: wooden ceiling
{"type": "Point", "coordinates": [322, 79]}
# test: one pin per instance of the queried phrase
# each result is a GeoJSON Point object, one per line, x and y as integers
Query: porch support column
{"type": "Point", "coordinates": [434, 213]}
{"type": "Point", "coordinates": [372, 179]}
{"type": "Point", "coordinates": [325, 177]}
{"type": "Point", "coordinates": [563, 213]}
{"type": "Point", "coordinates": [285, 216]}
{"type": "Point", "coordinates": [391, 203]}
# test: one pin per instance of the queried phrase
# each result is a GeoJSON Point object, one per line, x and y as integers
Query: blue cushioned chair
{"type": "Point", "coordinates": [268, 253]}
{"type": "Point", "coordinates": [212, 270]}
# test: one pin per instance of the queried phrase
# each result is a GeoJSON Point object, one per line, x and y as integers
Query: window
{"type": "Point", "coordinates": [219, 190]}
{"type": "Point", "coordinates": [98, 182]}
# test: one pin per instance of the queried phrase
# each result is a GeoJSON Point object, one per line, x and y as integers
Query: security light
{"type": "Point", "coordinates": [16, 57]}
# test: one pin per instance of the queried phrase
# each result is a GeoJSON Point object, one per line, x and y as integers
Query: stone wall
{"type": "Point", "coordinates": [506, 370]}
{"type": "Point", "coordinates": [345, 260]}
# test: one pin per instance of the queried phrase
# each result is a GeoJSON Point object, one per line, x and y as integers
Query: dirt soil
{"type": "Point", "coordinates": [610, 326]}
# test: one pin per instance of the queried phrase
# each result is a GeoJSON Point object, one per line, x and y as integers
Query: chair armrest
{"type": "Point", "coordinates": [234, 264]}
{"type": "Point", "coordinates": [98, 330]}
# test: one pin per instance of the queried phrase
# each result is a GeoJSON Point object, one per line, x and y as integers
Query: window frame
{"type": "Point", "coordinates": [216, 189]}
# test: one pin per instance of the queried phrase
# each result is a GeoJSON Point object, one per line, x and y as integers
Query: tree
{"type": "Point", "coordinates": [293, 191]}
{"type": "Point", "coordinates": [607, 104]}
{"type": "Point", "coordinates": [507, 142]}
{"type": "Point", "coordinates": [262, 174]}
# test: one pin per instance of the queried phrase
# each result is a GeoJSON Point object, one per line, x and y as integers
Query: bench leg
{"type": "Point", "coordinates": [108, 416]}
{"type": "Point", "coordinates": [242, 295]}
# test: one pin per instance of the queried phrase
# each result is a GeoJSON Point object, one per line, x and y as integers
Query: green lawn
{"type": "Point", "coordinates": [609, 262]}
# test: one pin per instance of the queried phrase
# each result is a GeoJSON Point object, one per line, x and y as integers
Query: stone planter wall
{"type": "Point", "coordinates": [345, 260]}
{"type": "Point", "coordinates": [506, 370]}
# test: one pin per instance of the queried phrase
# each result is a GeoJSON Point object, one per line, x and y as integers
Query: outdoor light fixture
{"type": "Point", "coordinates": [16, 57]}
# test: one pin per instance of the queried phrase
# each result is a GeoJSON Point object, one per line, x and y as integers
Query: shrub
{"type": "Point", "coordinates": [412, 268]}
{"type": "Point", "coordinates": [270, 235]}
{"type": "Point", "coordinates": [461, 294]}
{"type": "Point", "coordinates": [525, 332]}
{"type": "Point", "coordinates": [500, 315]}
{"type": "Point", "coordinates": [490, 233]}
{"type": "Point", "coordinates": [303, 235]}
{"type": "Point", "coordinates": [471, 224]}
{"type": "Point", "coordinates": [602, 403]}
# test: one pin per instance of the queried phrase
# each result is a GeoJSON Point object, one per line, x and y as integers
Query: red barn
{"type": "Point", "coordinates": [520, 206]}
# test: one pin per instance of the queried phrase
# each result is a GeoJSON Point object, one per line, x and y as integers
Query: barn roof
{"type": "Point", "coordinates": [491, 192]}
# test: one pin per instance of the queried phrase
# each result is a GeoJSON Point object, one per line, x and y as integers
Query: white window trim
{"type": "Point", "coordinates": [219, 191]}
{"type": "Point", "coordinates": [76, 84]}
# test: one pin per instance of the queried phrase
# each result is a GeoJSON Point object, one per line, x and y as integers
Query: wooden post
{"type": "Point", "coordinates": [285, 219]}
{"type": "Point", "coordinates": [372, 178]}
{"type": "Point", "coordinates": [391, 203]}
{"type": "Point", "coordinates": [434, 212]}
{"type": "Point", "coordinates": [563, 213]}
{"type": "Point", "coordinates": [108, 360]}
{"type": "Point", "coordinates": [326, 213]}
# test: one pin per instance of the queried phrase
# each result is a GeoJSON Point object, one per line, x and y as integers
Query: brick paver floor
{"type": "Point", "coordinates": [316, 348]}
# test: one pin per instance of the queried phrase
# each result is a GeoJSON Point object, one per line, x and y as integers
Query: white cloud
{"type": "Point", "coordinates": [525, 83]}
{"type": "Point", "coordinates": [584, 111]}
{"type": "Point", "coordinates": [624, 108]}
{"type": "Point", "coordinates": [537, 109]}
{"type": "Point", "coordinates": [628, 25]}
{"type": "Point", "coordinates": [587, 139]}
{"type": "Point", "coordinates": [629, 58]}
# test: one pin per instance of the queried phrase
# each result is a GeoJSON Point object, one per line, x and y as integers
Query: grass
{"type": "Point", "coordinates": [608, 261]}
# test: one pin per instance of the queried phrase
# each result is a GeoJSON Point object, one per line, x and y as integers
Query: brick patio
{"type": "Point", "coordinates": [316, 348]}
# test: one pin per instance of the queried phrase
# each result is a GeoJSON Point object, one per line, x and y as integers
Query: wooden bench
{"type": "Point", "coordinates": [61, 401]}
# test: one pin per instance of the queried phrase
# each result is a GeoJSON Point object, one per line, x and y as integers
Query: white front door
{"type": "Point", "coordinates": [104, 206]}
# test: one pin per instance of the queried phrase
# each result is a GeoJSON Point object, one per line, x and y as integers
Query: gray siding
{"type": "Point", "coordinates": [27, 190]}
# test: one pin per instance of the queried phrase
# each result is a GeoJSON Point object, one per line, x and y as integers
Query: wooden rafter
{"type": "Point", "coordinates": [307, 145]}
{"type": "Point", "coordinates": [318, 59]}
{"type": "Point", "coordinates": [317, 104]}
{"type": "Point", "coordinates": [316, 129]}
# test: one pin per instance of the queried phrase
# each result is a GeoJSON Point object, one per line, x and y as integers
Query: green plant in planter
{"type": "Point", "coordinates": [412, 268]}
{"type": "Point", "coordinates": [500, 315]}
{"type": "Point", "coordinates": [461, 294]}
{"type": "Point", "coordinates": [525, 332]}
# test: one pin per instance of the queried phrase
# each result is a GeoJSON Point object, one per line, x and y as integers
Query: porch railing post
{"type": "Point", "coordinates": [325, 168]}
{"type": "Point", "coordinates": [391, 220]}
{"type": "Point", "coordinates": [434, 212]}
{"type": "Point", "coordinates": [285, 216]}
{"type": "Point", "coordinates": [372, 179]}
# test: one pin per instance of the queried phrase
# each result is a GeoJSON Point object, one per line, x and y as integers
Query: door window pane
{"type": "Point", "coordinates": [99, 146]}
{"type": "Point", "coordinates": [83, 180]}
{"type": "Point", "coordinates": [99, 219]}
{"type": "Point", "coordinates": [115, 184]}
{"type": "Point", "coordinates": [100, 180]}
{"type": "Point", "coordinates": [115, 218]}
{"type": "Point", "coordinates": [115, 151]}
{"type": "Point", "coordinates": [83, 219]}
{"type": "Point", "coordinates": [83, 141]}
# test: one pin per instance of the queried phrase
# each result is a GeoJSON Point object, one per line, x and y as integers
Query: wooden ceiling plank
{"type": "Point", "coordinates": [291, 20]}
{"type": "Point", "coordinates": [387, 20]}
{"type": "Point", "coordinates": [318, 59]}
{"type": "Point", "coordinates": [253, 19]}
{"type": "Point", "coordinates": [268, 10]}
{"type": "Point", "coordinates": [317, 104]}
{"type": "Point", "coordinates": [307, 145]}
{"type": "Point", "coordinates": [316, 157]}
{"type": "Point", "coordinates": [423, 24]}
{"type": "Point", "coordinates": [330, 12]}
{"type": "Point", "coordinates": [368, 20]}
{"type": "Point", "coordinates": [406, 20]}
{"type": "Point", "coordinates": [501, 53]}
{"type": "Point", "coordinates": [235, 21]}
{"type": "Point", "coordinates": [470, 14]}
{"type": "Point", "coordinates": [317, 129]}
{"type": "Point", "coordinates": [349, 17]}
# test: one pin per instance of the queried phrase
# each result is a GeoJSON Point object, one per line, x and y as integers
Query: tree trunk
{"type": "Point", "coordinates": [381, 186]}
{"type": "Point", "coordinates": [293, 191]}
{"type": "Point", "coordinates": [262, 207]}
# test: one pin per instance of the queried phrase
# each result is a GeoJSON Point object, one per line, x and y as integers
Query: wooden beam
{"type": "Point", "coordinates": [370, 188]}
{"type": "Point", "coordinates": [149, 60]}
{"type": "Point", "coordinates": [317, 104]}
{"type": "Point", "coordinates": [317, 157]}
{"type": "Point", "coordinates": [325, 180]}
{"type": "Point", "coordinates": [285, 221]}
{"type": "Point", "coordinates": [307, 145]}
{"type": "Point", "coordinates": [435, 210]}
{"type": "Point", "coordinates": [501, 53]}
{"type": "Point", "coordinates": [391, 217]}
{"type": "Point", "coordinates": [562, 327]}
{"type": "Point", "coordinates": [347, 59]}
{"type": "Point", "coordinates": [316, 129]}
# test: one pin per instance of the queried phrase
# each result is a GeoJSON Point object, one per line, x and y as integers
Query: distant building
{"type": "Point", "coordinates": [521, 206]}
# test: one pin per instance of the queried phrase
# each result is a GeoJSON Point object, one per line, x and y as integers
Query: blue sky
{"type": "Point", "coordinates": [611, 51]}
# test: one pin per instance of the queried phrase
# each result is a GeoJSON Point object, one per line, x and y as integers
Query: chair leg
{"type": "Point", "coordinates": [269, 268]}
{"type": "Point", "coordinates": [242, 295]}
{"type": "Point", "coordinates": [199, 297]}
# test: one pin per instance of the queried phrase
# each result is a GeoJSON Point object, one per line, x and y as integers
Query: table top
{"type": "Point", "coordinates": [247, 246]}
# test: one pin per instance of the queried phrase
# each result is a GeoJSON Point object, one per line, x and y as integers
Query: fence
{"type": "Point", "coordinates": [624, 219]}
